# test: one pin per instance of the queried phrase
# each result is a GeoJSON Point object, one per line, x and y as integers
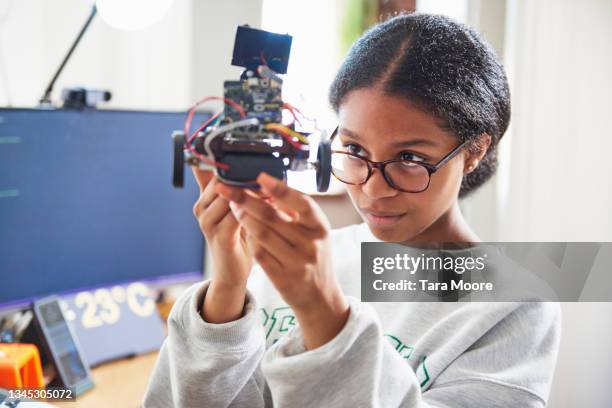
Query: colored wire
{"type": "Point", "coordinates": [189, 144]}
{"type": "Point", "coordinates": [204, 126]}
{"type": "Point", "coordinates": [226, 128]}
{"type": "Point", "coordinates": [206, 160]}
{"type": "Point", "coordinates": [189, 119]}
{"type": "Point", "coordinates": [192, 110]}
{"type": "Point", "coordinates": [292, 109]}
{"type": "Point", "coordinates": [290, 106]}
{"type": "Point", "coordinates": [288, 133]}
{"type": "Point", "coordinates": [267, 72]}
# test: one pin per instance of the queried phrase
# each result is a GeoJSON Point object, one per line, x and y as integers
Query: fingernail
{"type": "Point", "coordinates": [236, 210]}
{"type": "Point", "coordinates": [226, 192]}
{"type": "Point", "coordinates": [221, 189]}
{"type": "Point", "coordinates": [267, 182]}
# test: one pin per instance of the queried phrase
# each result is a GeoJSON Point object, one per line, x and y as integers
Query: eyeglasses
{"type": "Point", "coordinates": [408, 176]}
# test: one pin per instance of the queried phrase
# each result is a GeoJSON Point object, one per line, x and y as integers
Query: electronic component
{"type": "Point", "coordinates": [61, 345]}
{"type": "Point", "coordinates": [248, 136]}
{"type": "Point", "coordinates": [251, 46]}
{"type": "Point", "coordinates": [81, 98]}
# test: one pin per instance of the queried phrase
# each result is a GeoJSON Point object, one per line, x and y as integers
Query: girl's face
{"type": "Point", "coordinates": [381, 127]}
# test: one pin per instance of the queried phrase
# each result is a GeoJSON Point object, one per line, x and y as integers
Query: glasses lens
{"type": "Point", "coordinates": [408, 176]}
{"type": "Point", "coordinates": [348, 168]}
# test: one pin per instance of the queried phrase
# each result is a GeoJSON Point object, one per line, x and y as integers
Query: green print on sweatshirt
{"type": "Point", "coordinates": [405, 351]}
{"type": "Point", "coordinates": [277, 323]}
{"type": "Point", "coordinates": [281, 319]}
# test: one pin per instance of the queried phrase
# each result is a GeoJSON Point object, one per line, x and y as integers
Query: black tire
{"type": "Point", "coordinates": [324, 166]}
{"type": "Point", "coordinates": [178, 171]}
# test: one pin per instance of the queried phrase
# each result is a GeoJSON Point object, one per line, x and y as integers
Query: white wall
{"type": "Point", "coordinates": [214, 28]}
{"type": "Point", "coordinates": [140, 68]}
{"type": "Point", "coordinates": [556, 184]}
{"type": "Point", "coordinates": [168, 66]}
{"type": "Point", "coordinates": [554, 180]}
{"type": "Point", "coordinates": [481, 208]}
{"type": "Point", "coordinates": [583, 376]}
{"type": "Point", "coordinates": [559, 182]}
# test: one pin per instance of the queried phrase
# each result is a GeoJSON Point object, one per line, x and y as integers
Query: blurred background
{"type": "Point", "coordinates": [554, 181]}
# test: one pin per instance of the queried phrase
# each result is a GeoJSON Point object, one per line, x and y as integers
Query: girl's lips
{"type": "Point", "coordinates": [382, 219]}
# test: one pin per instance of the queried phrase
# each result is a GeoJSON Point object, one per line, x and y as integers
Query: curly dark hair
{"type": "Point", "coordinates": [445, 68]}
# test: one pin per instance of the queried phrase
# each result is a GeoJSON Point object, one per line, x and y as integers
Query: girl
{"type": "Point", "coordinates": [422, 102]}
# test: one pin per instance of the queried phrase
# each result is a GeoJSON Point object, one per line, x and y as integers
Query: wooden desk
{"type": "Point", "coordinates": [121, 383]}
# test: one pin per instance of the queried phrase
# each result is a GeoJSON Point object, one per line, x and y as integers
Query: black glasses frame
{"type": "Point", "coordinates": [431, 168]}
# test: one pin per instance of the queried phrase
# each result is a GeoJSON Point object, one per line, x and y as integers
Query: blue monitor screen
{"type": "Point", "coordinates": [86, 200]}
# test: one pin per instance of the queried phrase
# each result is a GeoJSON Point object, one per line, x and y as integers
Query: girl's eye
{"type": "Point", "coordinates": [353, 149]}
{"type": "Point", "coordinates": [410, 156]}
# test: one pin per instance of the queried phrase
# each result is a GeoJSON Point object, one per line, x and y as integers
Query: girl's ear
{"type": "Point", "coordinates": [476, 151]}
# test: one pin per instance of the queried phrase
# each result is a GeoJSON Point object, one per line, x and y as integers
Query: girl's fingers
{"type": "Point", "coordinates": [202, 177]}
{"type": "Point", "coordinates": [228, 222]}
{"type": "Point", "coordinates": [266, 260]}
{"type": "Point", "coordinates": [207, 196]}
{"type": "Point", "coordinates": [289, 200]}
{"type": "Point", "coordinates": [213, 214]}
{"type": "Point", "coordinates": [261, 232]}
{"type": "Point", "coordinates": [263, 212]}
{"type": "Point", "coordinates": [257, 193]}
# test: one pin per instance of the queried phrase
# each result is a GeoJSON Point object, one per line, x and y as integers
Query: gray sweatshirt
{"type": "Point", "coordinates": [388, 354]}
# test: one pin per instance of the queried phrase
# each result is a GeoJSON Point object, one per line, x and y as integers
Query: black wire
{"type": "Point", "coordinates": [46, 98]}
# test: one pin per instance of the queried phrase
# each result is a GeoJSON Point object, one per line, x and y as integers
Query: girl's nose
{"type": "Point", "coordinates": [377, 187]}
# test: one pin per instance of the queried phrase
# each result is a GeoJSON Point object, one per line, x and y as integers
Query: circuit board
{"type": "Point", "coordinates": [260, 97]}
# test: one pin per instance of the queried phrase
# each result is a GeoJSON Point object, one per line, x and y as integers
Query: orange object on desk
{"type": "Point", "coordinates": [20, 366]}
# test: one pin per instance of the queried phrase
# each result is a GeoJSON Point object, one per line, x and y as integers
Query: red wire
{"type": "Point", "coordinates": [189, 146]}
{"type": "Point", "coordinates": [301, 113]}
{"type": "Point", "coordinates": [192, 110]}
{"type": "Point", "coordinates": [193, 136]}
{"type": "Point", "coordinates": [208, 161]}
{"type": "Point", "coordinates": [292, 109]}
{"type": "Point", "coordinates": [240, 110]}
{"type": "Point", "coordinates": [189, 119]}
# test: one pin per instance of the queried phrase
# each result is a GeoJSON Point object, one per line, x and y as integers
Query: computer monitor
{"type": "Point", "coordinates": [86, 200]}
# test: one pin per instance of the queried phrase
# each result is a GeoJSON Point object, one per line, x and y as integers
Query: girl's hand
{"type": "Point", "coordinates": [288, 235]}
{"type": "Point", "coordinates": [224, 300]}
